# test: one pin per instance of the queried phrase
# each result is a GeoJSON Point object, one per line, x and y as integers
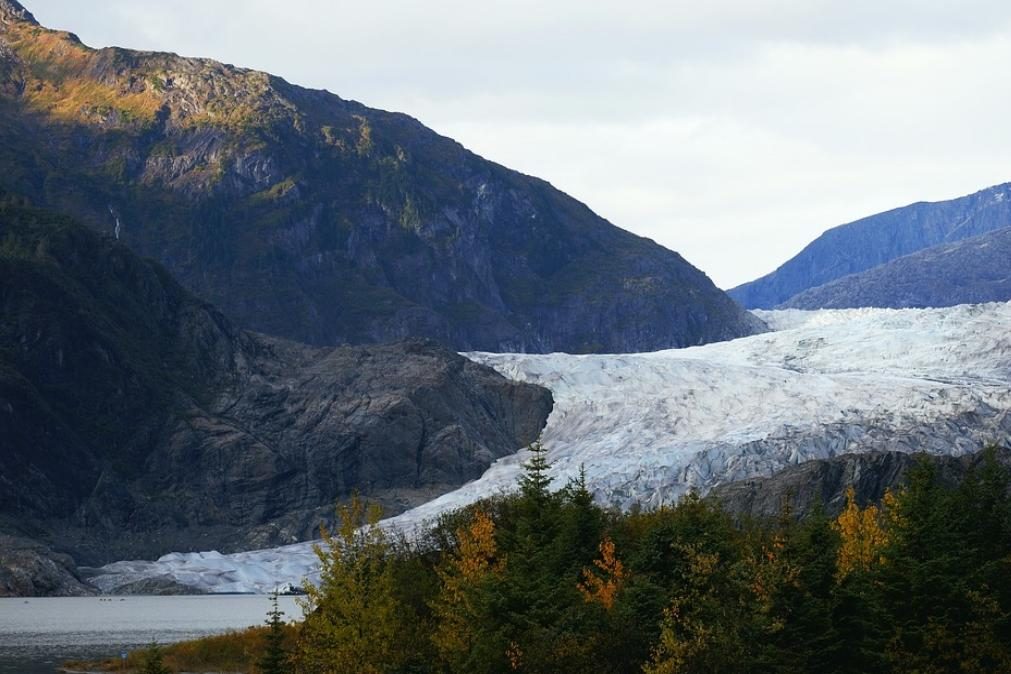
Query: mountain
{"type": "Point", "coordinates": [314, 218]}
{"type": "Point", "coordinates": [970, 271]}
{"type": "Point", "coordinates": [136, 419]}
{"type": "Point", "coordinates": [867, 243]}
{"type": "Point", "coordinates": [645, 429]}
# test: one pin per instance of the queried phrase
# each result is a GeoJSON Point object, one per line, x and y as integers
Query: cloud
{"type": "Point", "coordinates": [733, 132]}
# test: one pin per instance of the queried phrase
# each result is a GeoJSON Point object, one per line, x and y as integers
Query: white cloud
{"type": "Point", "coordinates": [731, 131]}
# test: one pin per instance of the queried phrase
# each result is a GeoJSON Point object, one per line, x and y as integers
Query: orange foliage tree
{"type": "Point", "coordinates": [462, 573]}
{"type": "Point", "coordinates": [602, 585]}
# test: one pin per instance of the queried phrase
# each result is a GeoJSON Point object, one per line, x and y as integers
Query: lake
{"type": "Point", "coordinates": [38, 635]}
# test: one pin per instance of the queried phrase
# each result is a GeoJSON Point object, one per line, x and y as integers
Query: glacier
{"type": "Point", "coordinates": [648, 427]}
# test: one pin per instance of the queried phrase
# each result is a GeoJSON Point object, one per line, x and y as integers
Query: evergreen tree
{"type": "Point", "coordinates": [694, 552]}
{"type": "Point", "coordinates": [701, 631]}
{"type": "Point", "coordinates": [535, 482]}
{"type": "Point", "coordinates": [275, 656]}
{"type": "Point", "coordinates": [922, 567]}
{"type": "Point", "coordinates": [808, 640]}
{"type": "Point", "coordinates": [581, 525]}
{"type": "Point", "coordinates": [945, 563]}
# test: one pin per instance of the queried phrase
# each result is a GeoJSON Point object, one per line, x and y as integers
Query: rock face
{"type": "Point", "coordinates": [157, 587]}
{"type": "Point", "coordinates": [11, 10]}
{"type": "Point", "coordinates": [29, 569]}
{"type": "Point", "coordinates": [310, 217]}
{"type": "Point", "coordinates": [867, 243]}
{"type": "Point", "coordinates": [826, 481]}
{"type": "Point", "coordinates": [135, 419]}
{"type": "Point", "coordinates": [972, 271]}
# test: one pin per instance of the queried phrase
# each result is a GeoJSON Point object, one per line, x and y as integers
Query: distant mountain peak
{"type": "Point", "coordinates": [12, 10]}
{"type": "Point", "coordinates": [865, 244]}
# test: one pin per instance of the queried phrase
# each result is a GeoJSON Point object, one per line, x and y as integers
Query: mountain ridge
{"type": "Point", "coordinates": [877, 239]}
{"type": "Point", "coordinates": [970, 271]}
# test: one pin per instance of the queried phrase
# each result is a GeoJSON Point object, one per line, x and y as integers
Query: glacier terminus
{"type": "Point", "coordinates": [649, 427]}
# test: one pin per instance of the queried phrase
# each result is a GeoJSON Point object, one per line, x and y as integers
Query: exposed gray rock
{"type": "Point", "coordinates": [972, 271]}
{"type": "Point", "coordinates": [266, 462]}
{"type": "Point", "coordinates": [826, 481]}
{"type": "Point", "coordinates": [30, 569]}
{"type": "Point", "coordinates": [867, 243]}
{"type": "Point", "coordinates": [161, 586]}
{"type": "Point", "coordinates": [11, 10]}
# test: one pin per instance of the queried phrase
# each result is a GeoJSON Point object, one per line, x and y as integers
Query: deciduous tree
{"type": "Point", "coordinates": [461, 609]}
{"type": "Point", "coordinates": [352, 618]}
{"type": "Point", "coordinates": [862, 537]}
{"type": "Point", "coordinates": [601, 584]}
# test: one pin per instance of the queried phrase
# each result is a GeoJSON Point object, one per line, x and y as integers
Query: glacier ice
{"type": "Point", "coordinates": [648, 427]}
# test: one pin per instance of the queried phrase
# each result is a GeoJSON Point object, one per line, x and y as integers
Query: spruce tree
{"type": "Point", "coordinates": [582, 524]}
{"type": "Point", "coordinates": [534, 481]}
{"type": "Point", "coordinates": [275, 657]}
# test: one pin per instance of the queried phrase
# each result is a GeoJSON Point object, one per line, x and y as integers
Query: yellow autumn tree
{"type": "Point", "coordinates": [462, 572]}
{"type": "Point", "coordinates": [601, 585]}
{"type": "Point", "coordinates": [862, 536]}
{"type": "Point", "coordinates": [352, 618]}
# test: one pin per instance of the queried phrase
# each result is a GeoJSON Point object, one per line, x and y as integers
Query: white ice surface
{"type": "Point", "coordinates": [648, 427]}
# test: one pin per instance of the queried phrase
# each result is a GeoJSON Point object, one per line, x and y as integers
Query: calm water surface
{"type": "Point", "coordinates": [38, 635]}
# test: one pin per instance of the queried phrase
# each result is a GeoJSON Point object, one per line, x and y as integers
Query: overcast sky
{"type": "Point", "coordinates": [732, 131]}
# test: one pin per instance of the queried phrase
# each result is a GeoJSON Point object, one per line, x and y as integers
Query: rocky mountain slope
{"type": "Point", "coordinates": [646, 428]}
{"type": "Point", "coordinates": [135, 419]}
{"type": "Point", "coordinates": [867, 243]}
{"type": "Point", "coordinates": [310, 217]}
{"type": "Point", "coordinates": [966, 272]}
{"type": "Point", "coordinates": [826, 481]}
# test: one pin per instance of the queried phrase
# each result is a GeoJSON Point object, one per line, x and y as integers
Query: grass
{"type": "Point", "coordinates": [62, 83]}
{"type": "Point", "coordinates": [62, 87]}
{"type": "Point", "coordinates": [233, 652]}
{"type": "Point", "coordinates": [73, 98]}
